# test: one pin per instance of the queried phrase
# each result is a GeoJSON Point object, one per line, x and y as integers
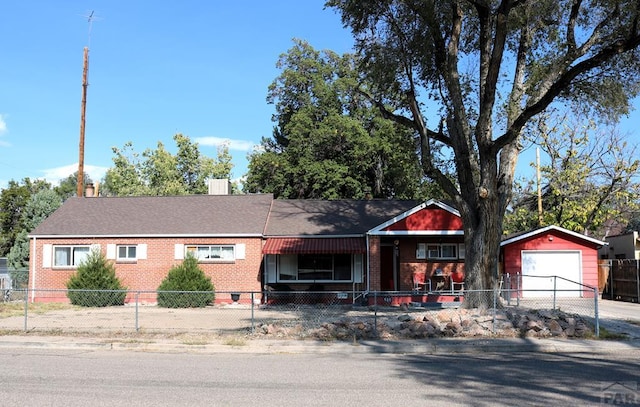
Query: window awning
{"type": "Point", "coordinates": [314, 245]}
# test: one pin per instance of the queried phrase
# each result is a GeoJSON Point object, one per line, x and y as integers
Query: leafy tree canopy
{"type": "Point", "coordinates": [588, 181]}
{"type": "Point", "coordinates": [13, 200]}
{"type": "Point", "coordinates": [329, 142]}
{"type": "Point", "coordinates": [158, 172]}
{"type": "Point", "coordinates": [68, 186]}
{"type": "Point", "coordinates": [39, 206]}
{"type": "Point", "coordinates": [470, 76]}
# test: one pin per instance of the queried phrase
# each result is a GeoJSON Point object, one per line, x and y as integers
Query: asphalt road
{"type": "Point", "coordinates": [42, 377]}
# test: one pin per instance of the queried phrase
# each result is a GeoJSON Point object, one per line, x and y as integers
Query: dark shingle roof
{"type": "Point", "coordinates": [298, 217]}
{"type": "Point", "coordinates": [159, 215]}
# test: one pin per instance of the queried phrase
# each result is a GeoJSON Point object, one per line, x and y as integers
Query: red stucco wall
{"type": "Point", "coordinates": [553, 240]}
{"type": "Point", "coordinates": [428, 219]}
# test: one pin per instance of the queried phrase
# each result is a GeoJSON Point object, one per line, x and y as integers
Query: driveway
{"type": "Point", "coordinates": [620, 316]}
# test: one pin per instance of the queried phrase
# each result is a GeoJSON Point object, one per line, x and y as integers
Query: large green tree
{"type": "Point", "coordinates": [158, 172]}
{"type": "Point", "coordinates": [38, 207]}
{"type": "Point", "coordinates": [329, 142]}
{"type": "Point", "coordinates": [470, 75]}
{"type": "Point", "coordinates": [13, 200]}
{"type": "Point", "coordinates": [68, 186]}
{"type": "Point", "coordinates": [588, 179]}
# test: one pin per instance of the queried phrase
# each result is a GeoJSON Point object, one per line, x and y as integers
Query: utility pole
{"type": "Point", "coordinates": [83, 109]}
{"type": "Point", "coordinates": [539, 187]}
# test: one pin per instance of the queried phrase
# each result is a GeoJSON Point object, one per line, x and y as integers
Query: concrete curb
{"type": "Point", "coordinates": [259, 346]}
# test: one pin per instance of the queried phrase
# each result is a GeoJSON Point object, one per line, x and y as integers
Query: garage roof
{"type": "Point", "coordinates": [546, 229]}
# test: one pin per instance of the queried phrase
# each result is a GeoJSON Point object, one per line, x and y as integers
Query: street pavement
{"type": "Point", "coordinates": [615, 317]}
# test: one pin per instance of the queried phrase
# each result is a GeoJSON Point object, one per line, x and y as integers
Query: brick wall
{"type": "Point", "coordinates": [147, 274]}
{"type": "Point", "coordinates": [374, 263]}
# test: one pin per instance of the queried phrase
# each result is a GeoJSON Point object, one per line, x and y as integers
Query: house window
{"type": "Point", "coordinates": [127, 252]}
{"type": "Point", "coordinates": [69, 256]}
{"type": "Point", "coordinates": [213, 252]}
{"type": "Point", "coordinates": [449, 251]}
{"type": "Point", "coordinates": [316, 267]}
{"type": "Point", "coordinates": [437, 251]}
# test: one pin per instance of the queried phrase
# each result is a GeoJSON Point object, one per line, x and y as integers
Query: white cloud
{"type": "Point", "coordinates": [54, 175]}
{"type": "Point", "coordinates": [3, 129]}
{"type": "Point", "coordinates": [240, 145]}
{"type": "Point", "coordinates": [3, 124]}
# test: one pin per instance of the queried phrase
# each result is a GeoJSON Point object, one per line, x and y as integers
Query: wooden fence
{"type": "Point", "coordinates": [623, 282]}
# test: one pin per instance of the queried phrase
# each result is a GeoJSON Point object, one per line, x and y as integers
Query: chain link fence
{"type": "Point", "coordinates": [316, 315]}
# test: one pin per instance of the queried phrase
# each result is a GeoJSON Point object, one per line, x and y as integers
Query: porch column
{"type": "Point", "coordinates": [374, 263]}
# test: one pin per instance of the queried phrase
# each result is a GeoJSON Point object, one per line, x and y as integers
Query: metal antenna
{"type": "Point", "coordinates": [90, 18]}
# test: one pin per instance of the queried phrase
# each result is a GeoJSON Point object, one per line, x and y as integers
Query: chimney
{"type": "Point", "coordinates": [219, 187]}
{"type": "Point", "coordinates": [89, 190]}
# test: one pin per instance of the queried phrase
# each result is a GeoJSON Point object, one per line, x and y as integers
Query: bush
{"type": "Point", "coordinates": [96, 283]}
{"type": "Point", "coordinates": [186, 277]}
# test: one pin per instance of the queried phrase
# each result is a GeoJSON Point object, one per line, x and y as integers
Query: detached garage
{"type": "Point", "coordinates": [535, 258]}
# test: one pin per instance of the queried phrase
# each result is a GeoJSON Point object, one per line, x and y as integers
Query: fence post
{"type": "Point", "coordinates": [26, 309]}
{"type": "Point", "coordinates": [595, 312]}
{"type": "Point", "coordinates": [637, 280]}
{"type": "Point", "coordinates": [555, 284]}
{"type": "Point", "coordinates": [495, 305]}
{"type": "Point", "coordinates": [252, 309]}
{"type": "Point", "coordinates": [137, 301]}
{"type": "Point", "coordinates": [375, 312]}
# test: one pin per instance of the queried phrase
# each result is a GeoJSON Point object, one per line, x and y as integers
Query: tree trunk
{"type": "Point", "coordinates": [482, 233]}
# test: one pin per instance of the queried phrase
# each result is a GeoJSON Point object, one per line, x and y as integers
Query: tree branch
{"type": "Point", "coordinates": [564, 80]}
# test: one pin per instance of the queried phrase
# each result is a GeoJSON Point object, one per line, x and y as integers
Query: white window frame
{"type": "Point", "coordinates": [436, 250]}
{"type": "Point", "coordinates": [289, 264]}
{"type": "Point", "coordinates": [127, 248]}
{"type": "Point", "coordinates": [199, 251]}
{"type": "Point", "coordinates": [453, 246]}
{"type": "Point", "coordinates": [74, 261]}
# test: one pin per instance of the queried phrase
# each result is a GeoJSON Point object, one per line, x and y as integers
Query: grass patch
{"type": "Point", "coordinates": [16, 309]}
{"type": "Point", "coordinates": [607, 335]}
{"type": "Point", "coordinates": [235, 341]}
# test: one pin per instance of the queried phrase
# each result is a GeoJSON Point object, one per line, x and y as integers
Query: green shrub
{"type": "Point", "coordinates": [186, 277]}
{"type": "Point", "coordinates": [95, 273]}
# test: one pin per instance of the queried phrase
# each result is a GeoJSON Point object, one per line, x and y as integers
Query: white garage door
{"type": "Point", "coordinates": [539, 266]}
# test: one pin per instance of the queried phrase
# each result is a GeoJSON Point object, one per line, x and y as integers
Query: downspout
{"type": "Point", "coordinates": [368, 263]}
{"type": "Point", "coordinates": [33, 265]}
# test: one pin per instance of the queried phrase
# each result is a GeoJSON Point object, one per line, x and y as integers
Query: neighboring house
{"type": "Point", "coordinates": [5, 277]}
{"type": "Point", "coordinates": [250, 242]}
{"type": "Point", "coordinates": [623, 246]}
{"type": "Point", "coordinates": [551, 251]}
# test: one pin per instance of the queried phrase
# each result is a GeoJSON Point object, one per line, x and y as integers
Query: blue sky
{"type": "Point", "coordinates": [157, 68]}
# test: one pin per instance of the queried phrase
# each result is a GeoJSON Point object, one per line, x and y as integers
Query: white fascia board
{"type": "Point", "coordinates": [444, 206]}
{"type": "Point", "coordinates": [417, 233]}
{"type": "Point", "coordinates": [146, 236]}
{"type": "Point", "coordinates": [410, 212]}
{"type": "Point", "coordinates": [549, 228]}
{"type": "Point", "coordinates": [361, 235]}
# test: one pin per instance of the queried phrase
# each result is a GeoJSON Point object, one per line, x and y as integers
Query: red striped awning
{"type": "Point", "coordinates": [314, 245]}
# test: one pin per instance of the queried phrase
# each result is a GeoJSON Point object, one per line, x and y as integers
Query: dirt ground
{"type": "Point", "coordinates": [241, 319]}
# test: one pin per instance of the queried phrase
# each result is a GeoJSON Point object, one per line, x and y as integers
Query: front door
{"type": "Point", "coordinates": [387, 260]}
